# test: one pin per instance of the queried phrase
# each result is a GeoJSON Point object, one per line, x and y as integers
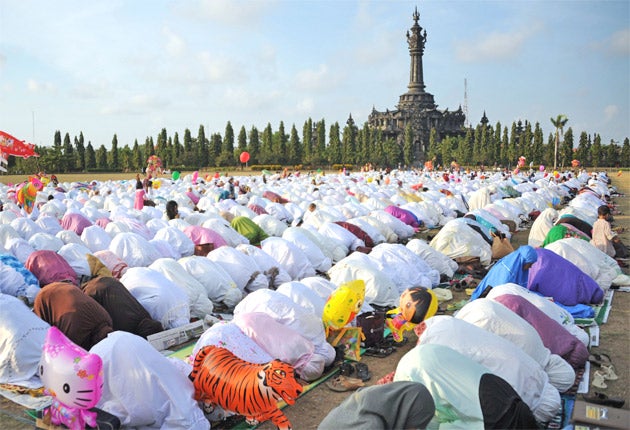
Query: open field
{"type": "Point", "coordinates": [309, 410]}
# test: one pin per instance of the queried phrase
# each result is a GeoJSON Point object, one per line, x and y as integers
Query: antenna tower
{"type": "Point", "coordinates": [466, 124]}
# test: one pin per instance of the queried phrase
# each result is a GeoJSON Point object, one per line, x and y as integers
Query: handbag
{"type": "Point", "coordinates": [372, 326]}
{"type": "Point", "coordinates": [501, 247]}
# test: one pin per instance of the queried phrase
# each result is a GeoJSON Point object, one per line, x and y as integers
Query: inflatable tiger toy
{"type": "Point", "coordinates": [253, 390]}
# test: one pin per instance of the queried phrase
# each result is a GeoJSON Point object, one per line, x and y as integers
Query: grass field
{"type": "Point", "coordinates": [84, 177]}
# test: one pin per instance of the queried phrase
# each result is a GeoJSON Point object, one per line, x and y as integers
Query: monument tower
{"type": "Point", "coordinates": [417, 107]}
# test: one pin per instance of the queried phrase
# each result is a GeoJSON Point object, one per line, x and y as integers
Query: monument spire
{"type": "Point", "coordinates": [416, 40]}
{"type": "Point", "coordinates": [416, 94]}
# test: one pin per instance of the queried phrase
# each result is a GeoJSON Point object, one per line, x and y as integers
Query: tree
{"type": "Point", "coordinates": [254, 146]}
{"type": "Point", "coordinates": [566, 150]}
{"type": "Point", "coordinates": [162, 149]}
{"type": "Point", "coordinates": [596, 151]}
{"type": "Point", "coordinates": [583, 148]}
{"type": "Point", "coordinates": [558, 123]}
{"type": "Point", "coordinates": [227, 149]}
{"type": "Point", "coordinates": [101, 157]}
{"type": "Point", "coordinates": [349, 142]}
{"type": "Point", "coordinates": [319, 149]}
{"type": "Point", "coordinates": [126, 159]}
{"type": "Point", "coordinates": [202, 148]}
{"type": "Point", "coordinates": [216, 142]}
{"type": "Point", "coordinates": [549, 150]}
{"type": "Point", "coordinates": [334, 152]}
{"type": "Point", "coordinates": [67, 159]}
{"type": "Point", "coordinates": [503, 150]}
{"type": "Point", "coordinates": [512, 149]}
{"type": "Point", "coordinates": [242, 141]}
{"type": "Point", "coordinates": [279, 145]}
{"type": "Point", "coordinates": [266, 145]}
{"type": "Point", "coordinates": [537, 150]}
{"type": "Point", "coordinates": [295, 149]}
{"type": "Point", "coordinates": [113, 154]}
{"type": "Point", "coordinates": [625, 153]}
{"type": "Point", "coordinates": [447, 152]}
{"type": "Point", "coordinates": [90, 156]}
{"type": "Point", "coordinates": [80, 148]}
{"type": "Point", "coordinates": [307, 141]}
{"type": "Point", "coordinates": [612, 154]}
{"type": "Point", "coordinates": [137, 156]}
{"type": "Point", "coordinates": [364, 144]}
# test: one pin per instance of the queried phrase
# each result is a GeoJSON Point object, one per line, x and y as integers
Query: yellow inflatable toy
{"type": "Point", "coordinates": [343, 304]}
{"type": "Point", "coordinates": [416, 305]}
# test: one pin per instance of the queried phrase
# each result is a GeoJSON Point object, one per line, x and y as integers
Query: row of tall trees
{"type": "Point", "coordinates": [318, 146]}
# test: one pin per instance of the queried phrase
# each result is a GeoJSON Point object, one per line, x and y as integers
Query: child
{"type": "Point", "coordinates": [604, 238]}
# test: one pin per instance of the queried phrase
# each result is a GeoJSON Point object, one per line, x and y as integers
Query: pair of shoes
{"type": "Point", "coordinates": [359, 369]}
{"type": "Point", "coordinates": [375, 351]}
{"type": "Point", "coordinates": [342, 383]}
{"type": "Point", "coordinates": [603, 399]}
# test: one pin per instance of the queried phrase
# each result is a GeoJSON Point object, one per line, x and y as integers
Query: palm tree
{"type": "Point", "coordinates": [558, 123]}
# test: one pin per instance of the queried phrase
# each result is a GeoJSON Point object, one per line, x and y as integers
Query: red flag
{"type": "Point", "coordinates": [13, 146]}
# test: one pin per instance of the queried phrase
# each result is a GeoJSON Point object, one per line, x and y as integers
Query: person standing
{"type": "Point", "coordinates": [140, 193]}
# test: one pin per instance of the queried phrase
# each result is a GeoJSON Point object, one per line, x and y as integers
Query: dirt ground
{"type": "Point", "coordinates": [312, 407]}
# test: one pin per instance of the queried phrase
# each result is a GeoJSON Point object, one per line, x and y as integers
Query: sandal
{"type": "Point", "coordinates": [342, 383]}
{"type": "Point", "coordinates": [597, 359]}
{"type": "Point", "coordinates": [363, 373]}
{"type": "Point", "coordinates": [374, 351]}
{"type": "Point", "coordinates": [346, 369]}
{"type": "Point", "coordinates": [609, 372]}
{"type": "Point", "coordinates": [603, 399]}
{"type": "Point", "coordinates": [598, 380]}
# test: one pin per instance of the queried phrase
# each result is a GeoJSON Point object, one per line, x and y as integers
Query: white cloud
{"type": "Point", "coordinates": [3, 61]}
{"type": "Point", "coordinates": [380, 49]}
{"type": "Point", "coordinates": [135, 104]}
{"type": "Point", "coordinates": [175, 45]}
{"type": "Point", "coordinates": [267, 62]}
{"type": "Point", "coordinates": [228, 12]}
{"type": "Point", "coordinates": [219, 69]}
{"type": "Point", "coordinates": [620, 42]}
{"type": "Point", "coordinates": [39, 87]}
{"type": "Point", "coordinates": [495, 45]}
{"type": "Point", "coordinates": [94, 90]}
{"type": "Point", "coordinates": [305, 106]}
{"type": "Point", "coordinates": [240, 98]}
{"type": "Point", "coordinates": [313, 79]}
{"type": "Point", "coordinates": [611, 112]}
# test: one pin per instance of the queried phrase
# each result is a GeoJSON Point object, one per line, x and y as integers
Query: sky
{"type": "Point", "coordinates": [131, 68]}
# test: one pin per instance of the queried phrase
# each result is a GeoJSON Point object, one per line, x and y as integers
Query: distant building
{"type": "Point", "coordinates": [417, 107]}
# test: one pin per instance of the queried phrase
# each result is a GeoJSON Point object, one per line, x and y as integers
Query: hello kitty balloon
{"type": "Point", "coordinates": [73, 377]}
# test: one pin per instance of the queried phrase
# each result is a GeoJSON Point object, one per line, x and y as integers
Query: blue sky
{"type": "Point", "coordinates": [133, 67]}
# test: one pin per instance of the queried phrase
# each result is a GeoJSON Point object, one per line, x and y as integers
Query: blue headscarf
{"type": "Point", "coordinates": [508, 269]}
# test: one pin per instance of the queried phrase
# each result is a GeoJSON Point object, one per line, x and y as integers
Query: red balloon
{"type": "Point", "coordinates": [244, 157]}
